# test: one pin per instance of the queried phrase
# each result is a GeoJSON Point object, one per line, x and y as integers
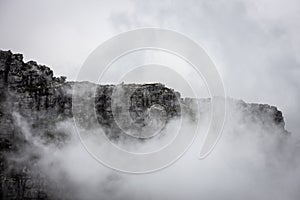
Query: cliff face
{"type": "Point", "coordinates": [31, 91]}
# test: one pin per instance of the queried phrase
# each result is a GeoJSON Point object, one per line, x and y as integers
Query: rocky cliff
{"type": "Point", "coordinates": [30, 91]}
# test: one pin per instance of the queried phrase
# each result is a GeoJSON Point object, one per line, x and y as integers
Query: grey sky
{"type": "Point", "coordinates": [254, 44]}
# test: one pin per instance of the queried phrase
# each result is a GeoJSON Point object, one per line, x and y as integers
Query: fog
{"type": "Point", "coordinates": [255, 159]}
{"type": "Point", "coordinates": [255, 46]}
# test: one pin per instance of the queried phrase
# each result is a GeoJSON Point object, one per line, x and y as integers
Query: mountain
{"type": "Point", "coordinates": [30, 92]}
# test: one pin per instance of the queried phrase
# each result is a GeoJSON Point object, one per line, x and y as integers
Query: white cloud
{"type": "Point", "coordinates": [254, 44]}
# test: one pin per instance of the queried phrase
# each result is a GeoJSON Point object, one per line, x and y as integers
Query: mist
{"type": "Point", "coordinates": [255, 47]}
{"type": "Point", "coordinates": [254, 159]}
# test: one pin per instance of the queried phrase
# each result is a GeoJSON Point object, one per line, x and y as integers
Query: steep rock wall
{"type": "Point", "coordinates": [34, 93]}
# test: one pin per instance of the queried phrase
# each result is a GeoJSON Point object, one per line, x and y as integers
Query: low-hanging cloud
{"type": "Point", "coordinates": [255, 159]}
{"type": "Point", "coordinates": [255, 45]}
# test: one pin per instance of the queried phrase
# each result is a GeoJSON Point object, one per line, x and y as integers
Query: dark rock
{"type": "Point", "coordinates": [32, 91]}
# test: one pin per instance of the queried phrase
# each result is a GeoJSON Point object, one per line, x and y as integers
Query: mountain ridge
{"type": "Point", "coordinates": [43, 100]}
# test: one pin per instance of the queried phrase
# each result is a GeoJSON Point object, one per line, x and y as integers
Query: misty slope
{"type": "Point", "coordinates": [35, 114]}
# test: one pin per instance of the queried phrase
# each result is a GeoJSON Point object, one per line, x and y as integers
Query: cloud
{"type": "Point", "coordinates": [254, 160]}
{"type": "Point", "coordinates": [254, 44]}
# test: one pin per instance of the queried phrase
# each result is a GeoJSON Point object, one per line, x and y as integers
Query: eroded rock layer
{"type": "Point", "coordinates": [30, 91]}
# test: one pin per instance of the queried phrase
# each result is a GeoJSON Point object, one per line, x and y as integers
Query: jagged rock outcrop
{"type": "Point", "coordinates": [32, 91]}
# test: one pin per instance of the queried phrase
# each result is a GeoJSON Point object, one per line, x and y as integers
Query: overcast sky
{"type": "Point", "coordinates": [254, 44]}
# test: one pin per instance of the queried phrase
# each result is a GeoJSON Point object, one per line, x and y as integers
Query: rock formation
{"type": "Point", "coordinates": [31, 91]}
